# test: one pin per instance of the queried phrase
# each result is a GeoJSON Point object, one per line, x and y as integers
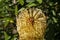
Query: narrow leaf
{"type": "Point", "coordinates": [39, 1]}
{"type": "Point", "coordinates": [16, 10]}
{"type": "Point", "coordinates": [54, 19]}
{"type": "Point", "coordinates": [53, 12]}
{"type": "Point", "coordinates": [30, 1]}
{"type": "Point", "coordinates": [31, 4]}
{"type": "Point", "coordinates": [21, 2]}
{"type": "Point", "coordinates": [6, 36]}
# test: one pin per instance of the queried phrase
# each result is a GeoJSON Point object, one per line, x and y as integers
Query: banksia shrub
{"type": "Point", "coordinates": [31, 24]}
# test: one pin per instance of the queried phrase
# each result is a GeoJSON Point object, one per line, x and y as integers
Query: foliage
{"type": "Point", "coordinates": [10, 8]}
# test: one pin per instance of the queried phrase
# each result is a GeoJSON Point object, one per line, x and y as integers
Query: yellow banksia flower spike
{"type": "Point", "coordinates": [31, 24]}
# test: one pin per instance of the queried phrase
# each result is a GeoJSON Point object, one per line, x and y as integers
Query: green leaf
{"type": "Point", "coordinates": [16, 10]}
{"type": "Point", "coordinates": [1, 28]}
{"type": "Point", "coordinates": [14, 37]}
{"type": "Point", "coordinates": [53, 12]}
{"type": "Point", "coordinates": [31, 4]}
{"type": "Point", "coordinates": [30, 1]}
{"type": "Point", "coordinates": [0, 0]}
{"type": "Point", "coordinates": [6, 36]}
{"type": "Point", "coordinates": [54, 19]}
{"type": "Point", "coordinates": [21, 2]}
{"type": "Point", "coordinates": [50, 3]}
{"type": "Point", "coordinates": [7, 20]}
{"type": "Point", "coordinates": [39, 1]}
{"type": "Point", "coordinates": [6, 23]}
{"type": "Point", "coordinates": [21, 9]}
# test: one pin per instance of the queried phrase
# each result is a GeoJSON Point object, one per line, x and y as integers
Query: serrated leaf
{"type": "Point", "coordinates": [30, 1]}
{"type": "Point", "coordinates": [31, 4]}
{"type": "Point", "coordinates": [39, 1]}
{"type": "Point", "coordinates": [21, 2]}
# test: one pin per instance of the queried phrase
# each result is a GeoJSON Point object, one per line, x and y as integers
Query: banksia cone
{"type": "Point", "coordinates": [31, 24]}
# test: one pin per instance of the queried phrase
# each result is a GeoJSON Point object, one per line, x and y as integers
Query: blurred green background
{"type": "Point", "coordinates": [9, 9]}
